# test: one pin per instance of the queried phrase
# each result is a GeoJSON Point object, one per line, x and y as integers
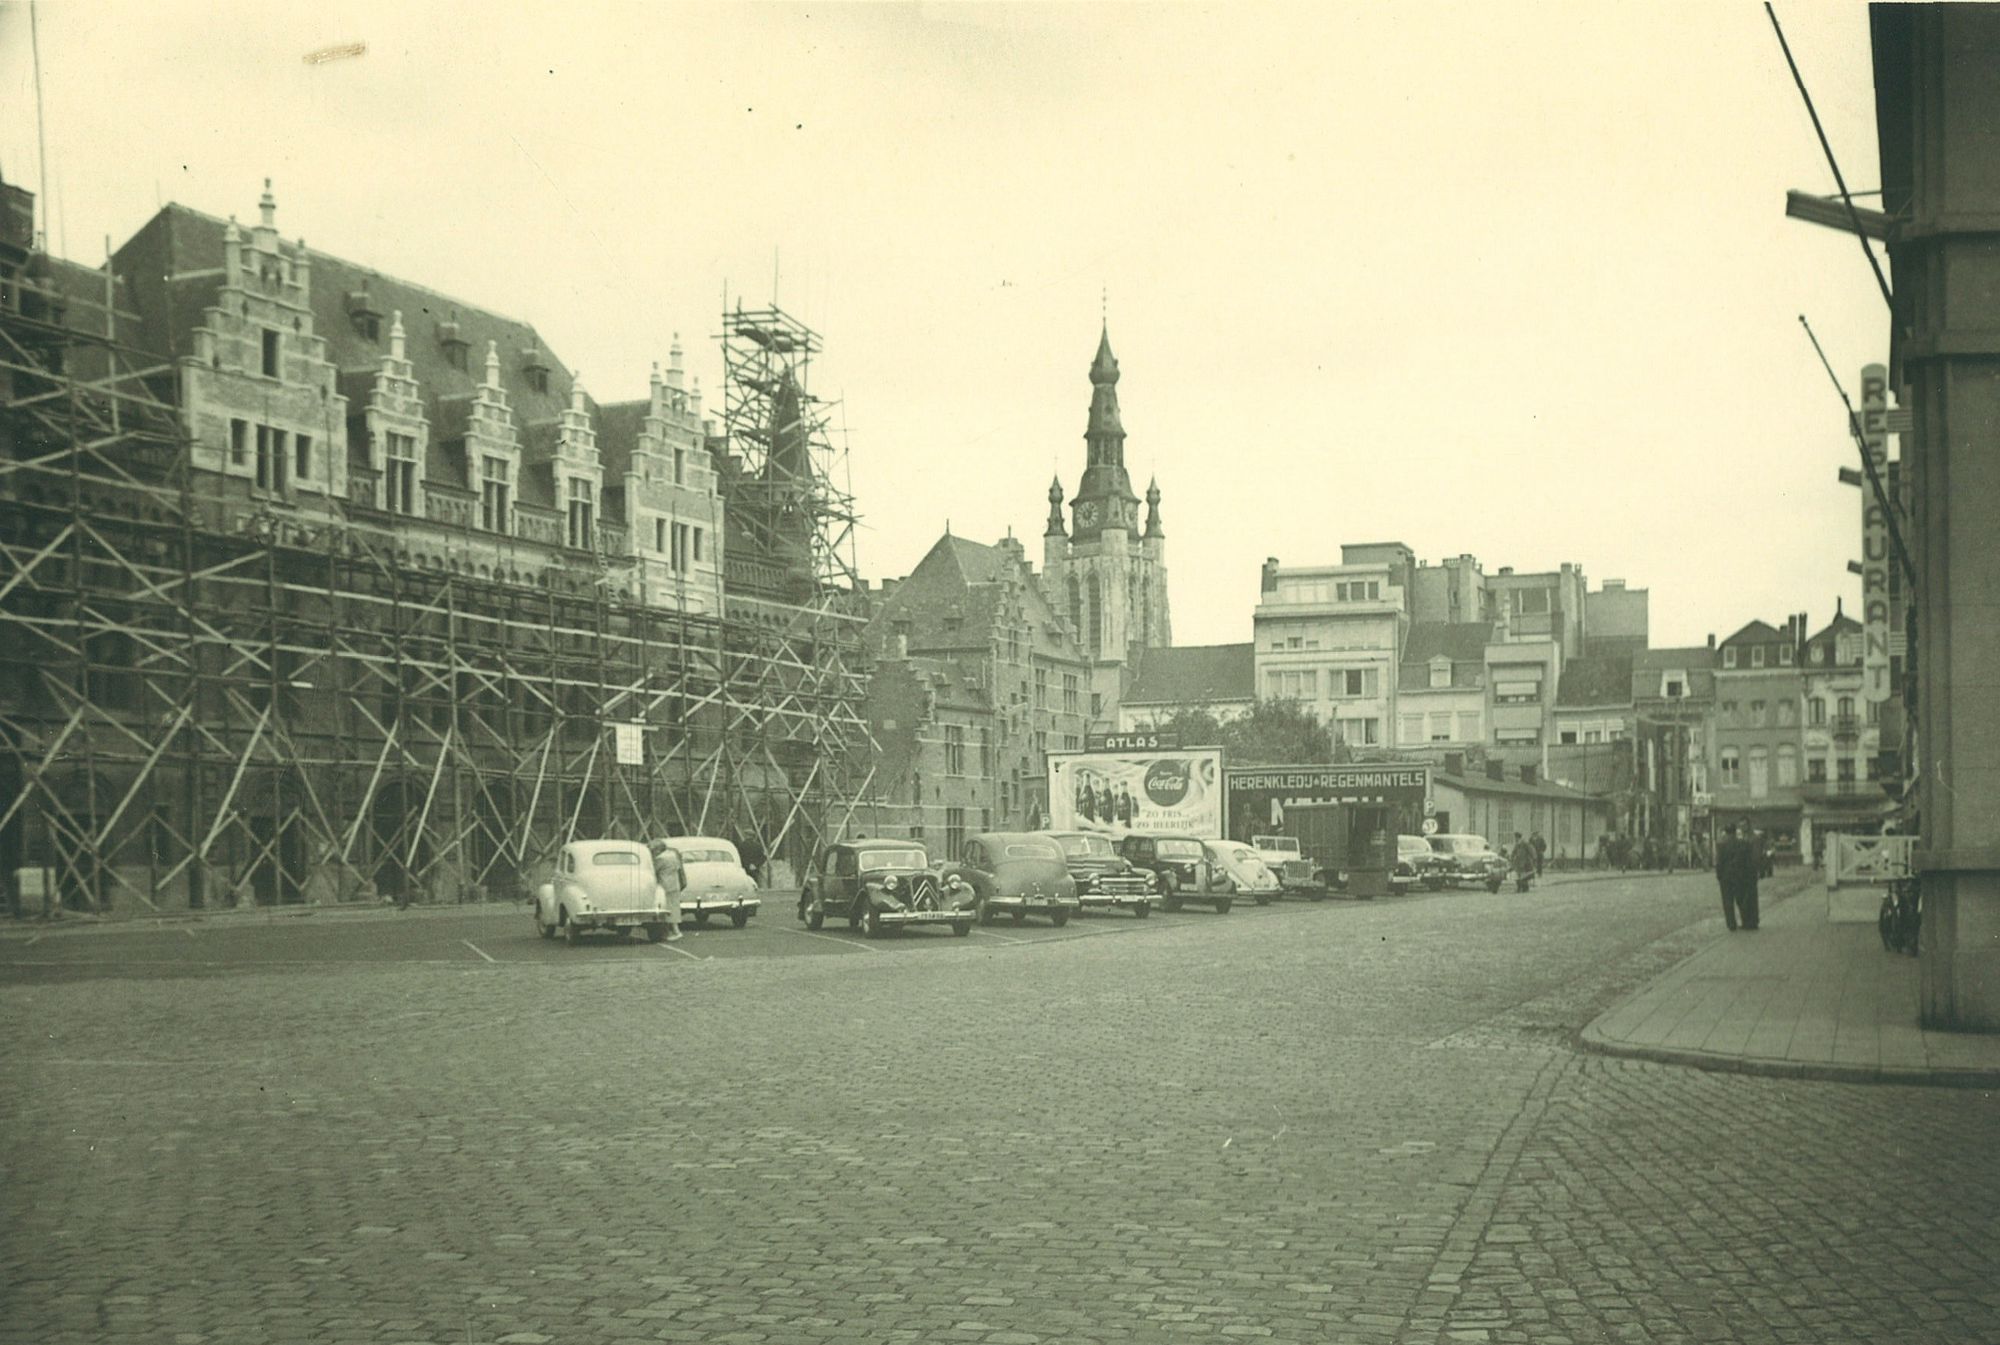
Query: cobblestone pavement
{"type": "Point", "coordinates": [1340, 1122]}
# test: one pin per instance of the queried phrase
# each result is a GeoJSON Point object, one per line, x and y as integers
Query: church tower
{"type": "Point", "coordinates": [1107, 575]}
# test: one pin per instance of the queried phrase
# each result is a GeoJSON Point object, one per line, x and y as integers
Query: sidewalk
{"type": "Point", "coordinates": [1803, 997]}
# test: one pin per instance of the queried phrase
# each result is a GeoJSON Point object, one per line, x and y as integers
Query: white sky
{"type": "Point", "coordinates": [1494, 278]}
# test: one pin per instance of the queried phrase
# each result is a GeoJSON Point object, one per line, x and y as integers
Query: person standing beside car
{"type": "Point", "coordinates": [669, 874]}
{"type": "Point", "coordinates": [1523, 859]}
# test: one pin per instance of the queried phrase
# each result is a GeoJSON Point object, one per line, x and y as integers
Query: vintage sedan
{"type": "Point", "coordinates": [604, 885]}
{"type": "Point", "coordinates": [716, 881]}
{"type": "Point", "coordinates": [1283, 856]}
{"type": "Point", "coordinates": [1417, 863]}
{"type": "Point", "coordinates": [1104, 878]}
{"type": "Point", "coordinates": [1245, 870]}
{"type": "Point", "coordinates": [1469, 860]}
{"type": "Point", "coordinates": [880, 884]}
{"type": "Point", "coordinates": [1017, 874]}
{"type": "Point", "coordinates": [1182, 867]}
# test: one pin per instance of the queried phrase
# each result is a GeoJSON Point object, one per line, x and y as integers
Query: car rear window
{"type": "Point", "coordinates": [1031, 850]}
{"type": "Point", "coordinates": [615, 859]}
{"type": "Point", "coordinates": [1180, 849]}
{"type": "Point", "coordinates": [1086, 845]}
{"type": "Point", "coordinates": [705, 856]}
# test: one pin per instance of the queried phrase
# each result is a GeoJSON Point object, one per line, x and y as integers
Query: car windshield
{"type": "Point", "coordinates": [616, 858]}
{"type": "Point", "coordinates": [1179, 849]}
{"type": "Point", "coordinates": [1238, 853]}
{"type": "Point", "coordinates": [1459, 845]}
{"type": "Point", "coordinates": [1086, 845]}
{"type": "Point", "coordinates": [1278, 845]}
{"type": "Point", "coordinates": [704, 855]}
{"type": "Point", "coordinates": [891, 861]}
{"type": "Point", "coordinates": [1412, 844]}
{"type": "Point", "coordinates": [1031, 850]}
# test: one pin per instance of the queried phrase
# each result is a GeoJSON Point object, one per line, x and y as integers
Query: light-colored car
{"type": "Point", "coordinates": [717, 883]}
{"type": "Point", "coordinates": [1470, 860]}
{"type": "Point", "coordinates": [1283, 857]}
{"type": "Point", "coordinates": [1244, 867]}
{"type": "Point", "coordinates": [604, 885]}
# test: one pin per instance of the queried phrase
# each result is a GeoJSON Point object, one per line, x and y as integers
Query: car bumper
{"type": "Point", "coordinates": [1033, 903]}
{"type": "Point", "coordinates": [890, 917]}
{"type": "Point", "coordinates": [618, 919]}
{"type": "Point", "coordinates": [713, 903]}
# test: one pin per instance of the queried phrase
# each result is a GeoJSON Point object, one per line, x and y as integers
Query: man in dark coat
{"type": "Point", "coordinates": [1541, 852]}
{"type": "Point", "coordinates": [1733, 863]}
{"type": "Point", "coordinates": [1746, 889]}
{"type": "Point", "coordinates": [1523, 861]}
{"type": "Point", "coordinates": [750, 850]}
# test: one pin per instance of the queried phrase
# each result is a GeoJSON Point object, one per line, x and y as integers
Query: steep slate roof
{"type": "Point", "coordinates": [1599, 679]}
{"type": "Point", "coordinates": [1193, 675]}
{"type": "Point", "coordinates": [1698, 661]}
{"type": "Point", "coordinates": [1463, 642]}
{"type": "Point", "coordinates": [965, 581]}
{"type": "Point", "coordinates": [173, 267]}
{"type": "Point", "coordinates": [1756, 632]}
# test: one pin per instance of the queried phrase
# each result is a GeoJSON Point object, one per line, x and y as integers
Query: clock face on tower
{"type": "Point", "coordinates": [1086, 514]}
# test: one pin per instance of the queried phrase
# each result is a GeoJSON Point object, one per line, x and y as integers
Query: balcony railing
{"type": "Point", "coordinates": [1825, 790]}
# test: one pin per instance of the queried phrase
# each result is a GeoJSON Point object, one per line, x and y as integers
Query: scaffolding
{"type": "Point", "coordinates": [204, 705]}
{"type": "Point", "coordinates": [786, 507]}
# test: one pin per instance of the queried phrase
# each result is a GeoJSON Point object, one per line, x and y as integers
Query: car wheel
{"type": "Point", "coordinates": [1262, 898]}
{"type": "Point", "coordinates": [1142, 910]}
{"type": "Point", "coordinates": [854, 915]}
{"type": "Point", "coordinates": [572, 933]}
{"type": "Point", "coordinates": [701, 919]}
{"type": "Point", "coordinates": [545, 930]}
{"type": "Point", "coordinates": [986, 914]}
{"type": "Point", "coordinates": [1019, 916]}
{"type": "Point", "coordinates": [1058, 918]}
{"type": "Point", "coordinates": [872, 923]}
{"type": "Point", "coordinates": [1493, 885]}
{"type": "Point", "coordinates": [961, 928]}
{"type": "Point", "coordinates": [655, 932]}
{"type": "Point", "coordinates": [739, 918]}
{"type": "Point", "coordinates": [1222, 907]}
{"type": "Point", "coordinates": [815, 915]}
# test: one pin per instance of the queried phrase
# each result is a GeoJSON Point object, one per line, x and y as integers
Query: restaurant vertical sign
{"type": "Point", "coordinates": [1875, 681]}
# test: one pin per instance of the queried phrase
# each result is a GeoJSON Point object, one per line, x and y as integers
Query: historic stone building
{"type": "Point", "coordinates": [1104, 571]}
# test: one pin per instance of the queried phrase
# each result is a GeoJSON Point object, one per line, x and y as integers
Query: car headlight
{"type": "Point", "coordinates": [1152, 879]}
{"type": "Point", "coordinates": [954, 883]}
{"type": "Point", "coordinates": [889, 884]}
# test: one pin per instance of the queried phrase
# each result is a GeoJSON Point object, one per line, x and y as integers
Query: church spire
{"type": "Point", "coordinates": [1104, 497]}
{"type": "Point", "coordinates": [1055, 528]}
{"type": "Point", "coordinates": [1153, 528]}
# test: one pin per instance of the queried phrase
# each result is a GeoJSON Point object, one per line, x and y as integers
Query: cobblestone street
{"type": "Point", "coordinates": [1338, 1122]}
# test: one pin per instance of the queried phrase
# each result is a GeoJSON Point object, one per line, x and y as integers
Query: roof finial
{"type": "Point", "coordinates": [267, 206]}
{"type": "Point", "coordinates": [492, 364]}
{"type": "Point", "coordinates": [396, 336]}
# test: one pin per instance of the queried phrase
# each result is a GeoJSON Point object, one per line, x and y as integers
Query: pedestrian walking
{"type": "Point", "coordinates": [1541, 852]}
{"type": "Point", "coordinates": [1752, 864]}
{"type": "Point", "coordinates": [1736, 875]}
{"type": "Point", "coordinates": [669, 874]}
{"type": "Point", "coordinates": [1523, 859]}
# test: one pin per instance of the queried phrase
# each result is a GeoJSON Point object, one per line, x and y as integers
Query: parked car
{"type": "Point", "coordinates": [1417, 863]}
{"type": "Point", "coordinates": [717, 883]}
{"type": "Point", "coordinates": [1244, 868]}
{"type": "Point", "coordinates": [1295, 872]}
{"type": "Point", "coordinates": [1017, 874]}
{"type": "Point", "coordinates": [1182, 866]}
{"type": "Point", "coordinates": [1469, 860]}
{"type": "Point", "coordinates": [880, 884]}
{"type": "Point", "coordinates": [603, 885]}
{"type": "Point", "coordinates": [1104, 878]}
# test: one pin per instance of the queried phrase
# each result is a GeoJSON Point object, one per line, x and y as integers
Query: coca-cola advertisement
{"type": "Point", "coordinates": [1119, 792]}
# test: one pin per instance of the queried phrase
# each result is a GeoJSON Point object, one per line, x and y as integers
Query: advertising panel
{"type": "Point", "coordinates": [1875, 537]}
{"type": "Point", "coordinates": [1120, 792]}
{"type": "Point", "coordinates": [1260, 795]}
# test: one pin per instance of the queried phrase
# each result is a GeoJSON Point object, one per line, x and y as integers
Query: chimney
{"type": "Point", "coordinates": [1270, 575]}
{"type": "Point", "coordinates": [1613, 586]}
{"type": "Point", "coordinates": [1454, 763]}
{"type": "Point", "coordinates": [1711, 639]}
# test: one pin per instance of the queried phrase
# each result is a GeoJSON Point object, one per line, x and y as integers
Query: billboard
{"type": "Point", "coordinates": [1875, 537]}
{"type": "Point", "coordinates": [1260, 795]}
{"type": "Point", "coordinates": [1120, 792]}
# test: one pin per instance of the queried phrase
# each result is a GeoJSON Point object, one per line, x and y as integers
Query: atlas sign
{"type": "Point", "coordinates": [1875, 682]}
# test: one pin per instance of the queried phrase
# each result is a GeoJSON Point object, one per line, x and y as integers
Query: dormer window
{"type": "Point", "coordinates": [367, 318]}
{"type": "Point", "coordinates": [535, 369]}
{"type": "Point", "coordinates": [1785, 655]}
{"type": "Point", "coordinates": [1729, 657]}
{"type": "Point", "coordinates": [1673, 686]}
{"type": "Point", "coordinates": [1440, 672]}
{"type": "Point", "coordinates": [455, 346]}
{"type": "Point", "coordinates": [1757, 656]}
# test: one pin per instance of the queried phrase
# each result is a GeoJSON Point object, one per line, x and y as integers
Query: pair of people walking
{"type": "Point", "coordinates": [1736, 873]}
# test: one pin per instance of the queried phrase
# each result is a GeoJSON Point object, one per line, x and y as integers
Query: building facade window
{"type": "Point", "coordinates": [1760, 772]}
{"type": "Point", "coordinates": [1845, 767]}
{"type": "Point", "coordinates": [1440, 728]}
{"type": "Point", "coordinates": [302, 457]}
{"type": "Point", "coordinates": [1361, 732]}
{"type": "Point", "coordinates": [495, 493]}
{"type": "Point", "coordinates": [271, 339]}
{"type": "Point", "coordinates": [239, 443]}
{"type": "Point", "coordinates": [582, 511]}
{"type": "Point", "coordinates": [954, 749]}
{"type": "Point", "coordinates": [1788, 765]}
{"type": "Point", "coordinates": [1757, 656]}
{"type": "Point", "coordinates": [954, 834]}
{"type": "Point", "coordinates": [1468, 726]}
{"type": "Point", "coordinates": [1041, 688]}
{"type": "Point", "coordinates": [399, 473]}
{"type": "Point", "coordinates": [1072, 694]}
{"type": "Point", "coordinates": [1729, 657]}
{"type": "Point", "coordinates": [1730, 764]}
{"type": "Point", "coordinates": [270, 458]}
{"type": "Point", "coordinates": [1787, 713]}
{"type": "Point", "coordinates": [1347, 683]}
{"type": "Point", "coordinates": [1816, 711]}
{"type": "Point", "coordinates": [1757, 714]}
{"type": "Point", "coordinates": [1815, 770]}
{"type": "Point", "coordinates": [1412, 730]}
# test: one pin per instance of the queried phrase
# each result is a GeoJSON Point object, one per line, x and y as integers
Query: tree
{"type": "Point", "coordinates": [1280, 733]}
{"type": "Point", "coordinates": [1272, 733]}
